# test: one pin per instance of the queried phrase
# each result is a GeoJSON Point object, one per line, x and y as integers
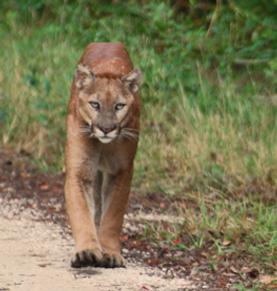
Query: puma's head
{"type": "Point", "coordinates": [105, 103]}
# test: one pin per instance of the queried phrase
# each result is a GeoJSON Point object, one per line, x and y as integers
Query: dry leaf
{"type": "Point", "coordinates": [44, 186]}
{"type": "Point", "coordinates": [226, 242]}
{"type": "Point", "coordinates": [267, 279]}
{"type": "Point", "coordinates": [245, 270]}
{"type": "Point", "coordinates": [234, 270]}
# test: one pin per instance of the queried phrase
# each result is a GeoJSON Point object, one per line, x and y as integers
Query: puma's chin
{"type": "Point", "coordinates": [105, 139]}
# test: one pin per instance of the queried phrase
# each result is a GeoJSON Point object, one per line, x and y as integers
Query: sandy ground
{"type": "Point", "coordinates": [36, 247]}
{"type": "Point", "coordinates": [34, 256]}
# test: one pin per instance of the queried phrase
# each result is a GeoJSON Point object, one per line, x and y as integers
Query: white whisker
{"type": "Point", "coordinates": [130, 129]}
{"type": "Point", "coordinates": [85, 130]}
{"type": "Point", "coordinates": [129, 133]}
{"type": "Point", "coordinates": [127, 137]}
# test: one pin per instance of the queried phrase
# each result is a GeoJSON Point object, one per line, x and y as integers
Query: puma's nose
{"type": "Point", "coordinates": [107, 129]}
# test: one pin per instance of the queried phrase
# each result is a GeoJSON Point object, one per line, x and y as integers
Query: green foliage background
{"type": "Point", "coordinates": [209, 99]}
{"type": "Point", "coordinates": [209, 69]}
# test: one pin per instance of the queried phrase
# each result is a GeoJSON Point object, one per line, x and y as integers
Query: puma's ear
{"type": "Point", "coordinates": [84, 76]}
{"type": "Point", "coordinates": [132, 80]}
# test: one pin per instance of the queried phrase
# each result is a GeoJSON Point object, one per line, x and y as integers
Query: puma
{"type": "Point", "coordinates": [102, 137]}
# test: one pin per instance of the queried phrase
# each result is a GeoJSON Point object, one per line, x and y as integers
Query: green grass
{"type": "Point", "coordinates": [233, 226]}
{"type": "Point", "coordinates": [209, 118]}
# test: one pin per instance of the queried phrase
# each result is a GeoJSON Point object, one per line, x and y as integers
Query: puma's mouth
{"type": "Point", "coordinates": [105, 135]}
{"type": "Point", "coordinates": [105, 139]}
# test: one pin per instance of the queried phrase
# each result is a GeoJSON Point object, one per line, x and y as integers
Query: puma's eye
{"type": "Point", "coordinates": [119, 106]}
{"type": "Point", "coordinates": [94, 105]}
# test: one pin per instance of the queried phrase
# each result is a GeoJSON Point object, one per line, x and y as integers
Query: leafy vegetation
{"type": "Point", "coordinates": [209, 99]}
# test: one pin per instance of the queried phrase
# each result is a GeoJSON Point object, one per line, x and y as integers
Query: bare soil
{"type": "Point", "coordinates": [35, 256]}
{"type": "Point", "coordinates": [36, 243]}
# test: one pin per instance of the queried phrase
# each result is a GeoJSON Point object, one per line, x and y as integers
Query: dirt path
{"type": "Point", "coordinates": [34, 256]}
{"type": "Point", "coordinates": [36, 245]}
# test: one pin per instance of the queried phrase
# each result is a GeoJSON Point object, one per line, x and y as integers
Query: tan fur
{"type": "Point", "coordinates": [100, 149]}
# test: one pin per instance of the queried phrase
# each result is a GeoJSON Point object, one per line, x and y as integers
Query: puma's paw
{"type": "Point", "coordinates": [112, 261]}
{"type": "Point", "coordinates": [85, 258]}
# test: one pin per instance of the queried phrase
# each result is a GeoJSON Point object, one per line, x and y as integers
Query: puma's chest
{"type": "Point", "coordinates": [112, 162]}
{"type": "Point", "coordinates": [108, 159]}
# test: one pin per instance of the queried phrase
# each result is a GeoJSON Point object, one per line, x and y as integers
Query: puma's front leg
{"type": "Point", "coordinates": [115, 193]}
{"type": "Point", "coordinates": [81, 217]}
